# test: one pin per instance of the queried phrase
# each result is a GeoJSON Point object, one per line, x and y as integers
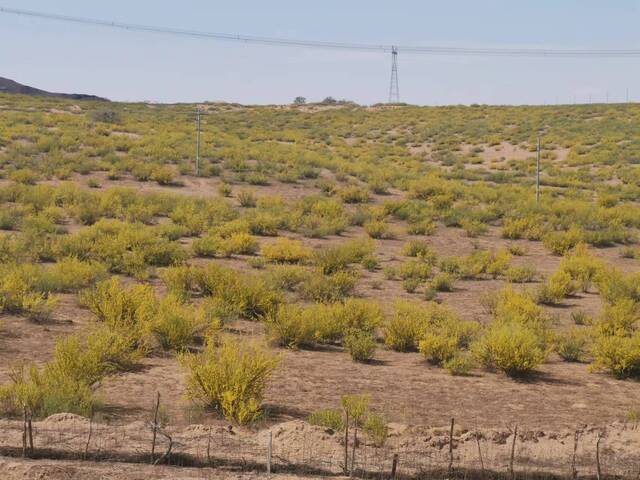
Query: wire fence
{"type": "Point", "coordinates": [306, 450]}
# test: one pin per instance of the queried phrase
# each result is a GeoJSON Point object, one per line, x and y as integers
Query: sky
{"type": "Point", "coordinates": [131, 66]}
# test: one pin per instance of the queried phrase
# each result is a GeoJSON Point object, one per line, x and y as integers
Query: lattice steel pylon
{"type": "Point", "coordinates": [394, 90]}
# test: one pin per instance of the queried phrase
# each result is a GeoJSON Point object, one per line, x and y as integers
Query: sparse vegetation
{"type": "Point", "coordinates": [308, 227]}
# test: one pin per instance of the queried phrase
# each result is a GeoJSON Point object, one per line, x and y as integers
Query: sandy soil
{"type": "Point", "coordinates": [300, 448]}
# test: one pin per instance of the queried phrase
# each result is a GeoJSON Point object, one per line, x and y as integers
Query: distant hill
{"type": "Point", "coordinates": [10, 86]}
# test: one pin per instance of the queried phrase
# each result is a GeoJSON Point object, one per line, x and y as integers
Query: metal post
{"type": "Point", "coordinates": [269, 451]}
{"type": "Point", "coordinates": [538, 171]}
{"type": "Point", "coordinates": [198, 141]}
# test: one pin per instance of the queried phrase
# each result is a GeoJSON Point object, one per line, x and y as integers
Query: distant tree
{"type": "Point", "coordinates": [299, 101]}
{"type": "Point", "coordinates": [329, 101]}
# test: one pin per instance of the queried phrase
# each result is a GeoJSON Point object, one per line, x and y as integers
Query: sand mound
{"type": "Point", "coordinates": [66, 419]}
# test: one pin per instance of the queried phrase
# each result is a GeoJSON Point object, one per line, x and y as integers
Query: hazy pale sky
{"type": "Point", "coordinates": [125, 65]}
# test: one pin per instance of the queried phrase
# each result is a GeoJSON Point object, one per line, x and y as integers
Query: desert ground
{"type": "Point", "coordinates": [466, 173]}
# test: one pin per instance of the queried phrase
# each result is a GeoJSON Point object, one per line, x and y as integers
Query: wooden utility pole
{"type": "Point", "coordinates": [538, 171]}
{"type": "Point", "coordinates": [197, 141]}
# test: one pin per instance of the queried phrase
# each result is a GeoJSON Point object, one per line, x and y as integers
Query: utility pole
{"type": "Point", "coordinates": [394, 90]}
{"type": "Point", "coordinates": [627, 94]}
{"type": "Point", "coordinates": [197, 141]}
{"type": "Point", "coordinates": [538, 171]}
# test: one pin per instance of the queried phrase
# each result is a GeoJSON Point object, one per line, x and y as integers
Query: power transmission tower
{"type": "Point", "coordinates": [394, 90]}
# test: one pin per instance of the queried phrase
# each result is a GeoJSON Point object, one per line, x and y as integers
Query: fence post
{"type": "Point", "coordinates": [598, 471]}
{"type": "Point", "coordinates": [480, 453]}
{"type": "Point", "coordinates": [269, 451]}
{"type": "Point", "coordinates": [513, 452]}
{"type": "Point", "coordinates": [394, 466]}
{"type": "Point", "coordinates": [574, 471]}
{"type": "Point", "coordinates": [209, 447]}
{"type": "Point", "coordinates": [451, 448]}
{"type": "Point", "coordinates": [155, 428]}
{"type": "Point", "coordinates": [346, 442]}
{"type": "Point", "coordinates": [24, 432]}
{"type": "Point", "coordinates": [86, 445]}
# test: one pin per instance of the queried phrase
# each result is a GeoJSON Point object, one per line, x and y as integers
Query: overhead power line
{"type": "Point", "coordinates": [288, 42]}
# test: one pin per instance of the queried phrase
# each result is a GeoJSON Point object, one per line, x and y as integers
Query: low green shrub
{"type": "Point", "coordinates": [376, 429]}
{"type": "Point", "coordinates": [230, 376]}
{"type": "Point", "coordinates": [19, 295]}
{"type": "Point", "coordinates": [517, 250]}
{"type": "Point", "coordinates": [410, 321]}
{"type": "Point", "coordinates": [287, 277]}
{"type": "Point", "coordinates": [443, 282]}
{"type": "Point", "coordinates": [619, 355]}
{"type": "Point", "coordinates": [378, 229]}
{"type": "Point", "coordinates": [580, 317]}
{"type": "Point", "coordinates": [560, 243]}
{"type": "Point", "coordinates": [296, 326]}
{"type": "Point", "coordinates": [509, 306]}
{"type": "Point", "coordinates": [583, 267]}
{"type": "Point", "coordinates": [66, 383]}
{"type": "Point", "coordinates": [126, 310]}
{"type": "Point", "coordinates": [247, 199]}
{"type": "Point", "coordinates": [410, 285]}
{"type": "Point", "coordinates": [423, 227]}
{"type": "Point", "coordinates": [247, 295]}
{"type": "Point", "coordinates": [573, 345]}
{"type": "Point", "coordinates": [292, 326]}
{"type": "Point", "coordinates": [420, 249]}
{"type": "Point", "coordinates": [445, 338]}
{"type": "Point", "coordinates": [510, 347]}
{"type": "Point", "coordinates": [163, 175]}
{"type": "Point", "coordinates": [285, 250]}
{"type": "Point", "coordinates": [414, 269]}
{"type": "Point", "coordinates": [354, 195]}
{"type": "Point", "coordinates": [330, 418]}
{"type": "Point", "coordinates": [70, 275]}
{"type": "Point", "coordinates": [175, 324]}
{"type": "Point", "coordinates": [361, 345]}
{"type": "Point", "coordinates": [531, 228]}
{"type": "Point", "coordinates": [523, 274]}
{"type": "Point", "coordinates": [328, 288]}
{"type": "Point", "coordinates": [335, 258]}
{"type": "Point", "coordinates": [559, 286]}
{"type": "Point", "coordinates": [460, 364]}
{"type": "Point", "coordinates": [180, 281]}
{"type": "Point", "coordinates": [473, 228]}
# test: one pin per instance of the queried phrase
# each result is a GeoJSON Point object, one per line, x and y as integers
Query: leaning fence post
{"type": "Point", "coordinates": [394, 466]}
{"type": "Point", "coordinates": [155, 428]}
{"type": "Point", "coordinates": [479, 453]}
{"type": "Point", "coordinates": [86, 445]}
{"type": "Point", "coordinates": [269, 451]}
{"type": "Point", "coordinates": [513, 452]}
